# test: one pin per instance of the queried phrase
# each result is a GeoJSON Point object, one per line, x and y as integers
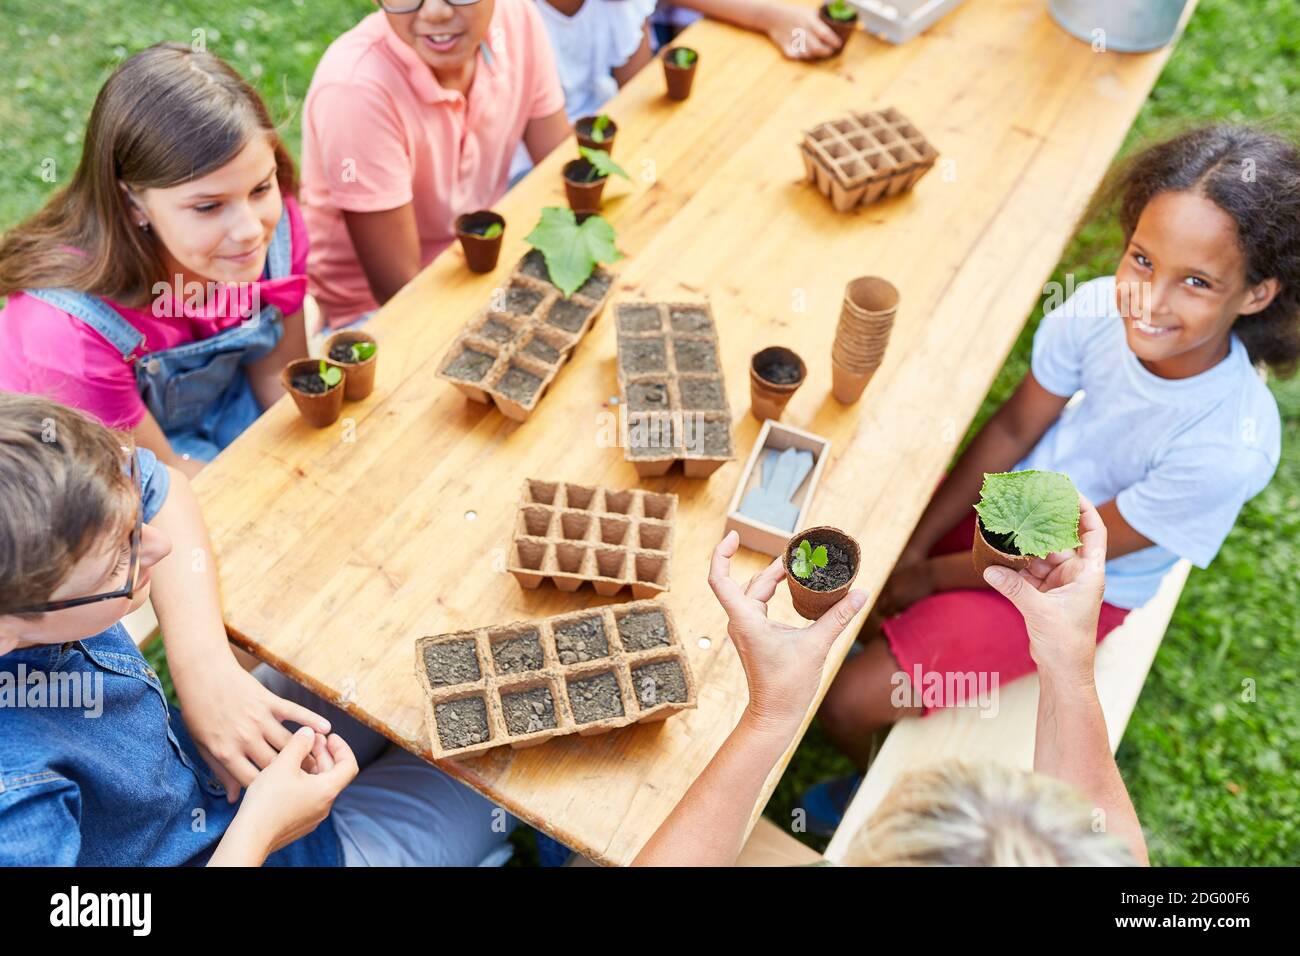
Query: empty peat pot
{"type": "Point", "coordinates": [583, 186]}
{"type": "Point", "coordinates": [359, 377]}
{"type": "Point", "coordinates": [319, 406]}
{"type": "Point", "coordinates": [819, 592]}
{"type": "Point", "coordinates": [679, 78]}
{"type": "Point", "coordinates": [775, 374]}
{"type": "Point", "coordinates": [843, 28]}
{"type": "Point", "coordinates": [582, 129]}
{"type": "Point", "coordinates": [986, 553]}
{"type": "Point", "coordinates": [481, 252]}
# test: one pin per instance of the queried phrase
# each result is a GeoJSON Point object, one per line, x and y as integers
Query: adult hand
{"type": "Point", "coordinates": [1060, 599]}
{"type": "Point", "coordinates": [286, 801]}
{"type": "Point", "coordinates": [237, 724]}
{"type": "Point", "coordinates": [798, 32]}
{"type": "Point", "coordinates": [783, 664]}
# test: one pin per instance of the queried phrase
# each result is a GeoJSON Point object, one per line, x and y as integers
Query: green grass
{"type": "Point", "coordinates": [1213, 777]}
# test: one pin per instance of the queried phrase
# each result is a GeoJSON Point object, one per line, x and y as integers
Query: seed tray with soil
{"type": "Point", "coordinates": [573, 534]}
{"type": "Point", "coordinates": [671, 382]}
{"type": "Point", "coordinates": [863, 157]}
{"type": "Point", "coordinates": [526, 690]}
{"type": "Point", "coordinates": [511, 350]}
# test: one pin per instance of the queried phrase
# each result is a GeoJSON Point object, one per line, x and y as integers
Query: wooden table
{"type": "Point", "coordinates": [338, 548]}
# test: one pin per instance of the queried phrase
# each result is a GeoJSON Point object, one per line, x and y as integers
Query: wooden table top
{"type": "Point", "coordinates": [338, 548]}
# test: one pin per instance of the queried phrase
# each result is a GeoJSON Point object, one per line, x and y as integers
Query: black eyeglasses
{"type": "Point", "coordinates": [129, 587]}
{"type": "Point", "coordinates": [410, 6]}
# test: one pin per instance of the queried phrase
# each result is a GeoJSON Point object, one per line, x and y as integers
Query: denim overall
{"type": "Point", "coordinates": [198, 392]}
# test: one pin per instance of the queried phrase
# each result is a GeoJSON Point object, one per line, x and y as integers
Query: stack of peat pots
{"type": "Point", "coordinates": [866, 318]}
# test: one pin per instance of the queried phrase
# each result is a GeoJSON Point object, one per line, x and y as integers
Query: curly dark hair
{"type": "Point", "coordinates": [1254, 177]}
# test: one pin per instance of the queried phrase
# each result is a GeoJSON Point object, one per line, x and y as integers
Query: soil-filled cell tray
{"type": "Point", "coordinates": [574, 534]}
{"type": "Point", "coordinates": [863, 157]}
{"type": "Point", "coordinates": [670, 377]}
{"type": "Point", "coordinates": [584, 672]}
{"type": "Point", "coordinates": [511, 350]}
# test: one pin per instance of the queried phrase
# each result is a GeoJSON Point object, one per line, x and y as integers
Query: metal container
{"type": "Point", "coordinates": [1126, 26]}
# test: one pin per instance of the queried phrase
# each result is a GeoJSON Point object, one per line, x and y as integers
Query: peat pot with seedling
{"type": "Point", "coordinates": [1024, 515]}
{"type": "Point", "coordinates": [359, 353]}
{"type": "Point", "coordinates": [841, 17]}
{"type": "Point", "coordinates": [820, 565]}
{"type": "Point", "coordinates": [679, 71]}
{"type": "Point", "coordinates": [317, 389]}
{"type": "Point", "coordinates": [596, 132]}
{"type": "Point", "coordinates": [480, 237]}
{"type": "Point", "coordinates": [584, 179]}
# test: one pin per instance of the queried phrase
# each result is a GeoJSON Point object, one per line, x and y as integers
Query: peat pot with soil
{"type": "Point", "coordinates": [1024, 515]}
{"type": "Point", "coordinates": [679, 71]}
{"type": "Point", "coordinates": [775, 374]}
{"type": "Point", "coordinates": [585, 178]}
{"type": "Point", "coordinates": [596, 132]}
{"type": "Point", "coordinates": [317, 389]}
{"type": "Point", "coordinates": [820, 565]}
{"type": "Point", "coordinates": [358, 352]}
{"type": "Point", "coordinates": [480, 237]}
{"type": "Point", "coordinates": [841, 17]}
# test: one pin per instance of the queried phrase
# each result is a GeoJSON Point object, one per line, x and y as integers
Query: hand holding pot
{"type": "Point", "coordinates": [783, 664]}
{"type": "Point", "coordinates": [1060, 598]}
{"type": "Point", "coordinates": [782, 23]}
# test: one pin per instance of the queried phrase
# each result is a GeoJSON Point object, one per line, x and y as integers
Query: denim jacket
{"type": "Point", "coordinates": [97, 769]}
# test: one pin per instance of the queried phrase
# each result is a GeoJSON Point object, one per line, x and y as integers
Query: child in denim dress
{"type": "Point", "coordinates": [96, 768]}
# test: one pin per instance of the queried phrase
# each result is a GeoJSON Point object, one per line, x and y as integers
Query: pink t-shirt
{"type": "Point", "coordinates": [379, 132]}
{"type": "Point", "coordinates": [46, 351]}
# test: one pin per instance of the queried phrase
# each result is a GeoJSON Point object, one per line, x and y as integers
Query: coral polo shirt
{"type": "Point", "coordinates": [379, 132]}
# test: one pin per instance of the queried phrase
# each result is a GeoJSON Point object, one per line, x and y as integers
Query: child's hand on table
{"type": "Point", "coordinates": [238, 724]}
{"type": "Point", "coordinates": [783, 664]}
{"type": "Point", "coordinates": [287, 801]}
{"type": "Point", "coordinates": [783, 23]}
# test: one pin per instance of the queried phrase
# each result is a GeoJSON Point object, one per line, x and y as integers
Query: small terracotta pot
{"type": "Point", "coordinates": [843, 28]}
{"type": "Point", "coordinates": [679, 78]}
{"type": "Point", "coordinates": [321, 410]}
{"type": "Point", "coordinates": [871, 297]}
{"type": "Point", "coordinates": [985, 555]}
{"type": "Point", "coordinates": [768, 399]}
{"type": "Point", "coordinates": [583, 196]}
{"type": "Point", "coordinates": [481, 253]}
{"type": "Point", "coordinates": [582, 129]}
{"type": "Point", "coordinates": [810, 604]}
{"type": "Point", "coordinates": [847, 386]}
{"type": "Point", "coordinates": [360, 376]}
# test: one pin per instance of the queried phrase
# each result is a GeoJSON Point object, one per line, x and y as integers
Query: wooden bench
{"type": "Point", "coordinates": [1123, 660]}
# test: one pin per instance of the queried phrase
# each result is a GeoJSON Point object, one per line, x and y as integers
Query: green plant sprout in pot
{"type": "Point", "coordinates": [572, 250]}
{"type": "Point", "coordinates": [1024, 515]}
{"type": "Point", "coordinates": [596, 132]}
{"type": "Point", "coordinates": [316, 388]}
{"type": "Point", "coordinates": [820, 565]}
{"type": "Point", "coordinates": [841, 17]}
{"type": "Point", "coordinates": [584, 179]}
{"type": "Point", "coordinates": [357, 351]}
{"type": "Point", "coordinates": [679, 71]}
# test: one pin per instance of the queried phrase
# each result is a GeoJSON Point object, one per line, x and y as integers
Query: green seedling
{"type": "Point", "coordinates": [807, 558]}
{"type": "Point", "coordinates": [684, 57]}
{"type": "Point", "coordinates": [598, 128]}
{"type": "Point", "coordinates": [840, 11]}
{"type": "Point", "coordinates": [492, 231]}
{"type": "Point", "coordinates": [329, 374]}
{"type": "Point", "coordinates": [361, 351]}
{"type": "Point", "coordinates": [572, 251]}
{"type": "Point", "coordinates": [601, 165]}
{"type": "Point", "coordinates": [1036, 512]}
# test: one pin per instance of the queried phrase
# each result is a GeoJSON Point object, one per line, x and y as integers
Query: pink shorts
{"type": "Point", "coordinates": [976, 634]}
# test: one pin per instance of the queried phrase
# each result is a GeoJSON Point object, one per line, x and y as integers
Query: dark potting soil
{"type": "Point", "coordinates": [581, 171]}
{"type": "Point", "coordinates": [581, 641]}
{"type": "Point", "coordinates": [689, 320]}
{"type": "Point", "coordinates": [644, 355]}
{"type": "Point", "coordinates": [478, 227]}
{"type": "Point", "coordinates": [597, 285]}
{"type": "Point", "coordinates": [519, 384]}
{"type": "Point", "coordinates": [595, 698]}
{"type": "Point", "coordinates": [568, 315]}
{"type": "Point", "coordinates": [542, 350]}
{"type": "Point", "coordinates": [521, 301]}
{"type": "Point", "coordinates": [583, 128]}
{"type": "Point", "coordinates": [1002, 542]}
{"type": "Point", "coordinates": [647, 396]}
{"type": "Point", "coordinates": [470, 365]}
{"type": "Point", "coordinates": [777, 370]}
{"type": "Point", "coordinates": [650, 437]}
{"type": "Point", "coordinates": [496, 331]}
{"type": "Point", "coordinates": [341, 352]}
{"type": "Point", "coordinates": [309, 382]}
{"type": "Point", "coordinates": [701, 394]}
{"type": "Point", "coordinates": [638, 318]}
{"type": "Point", "coordinates": [643, 630]}
{"type": "Point", "coordinates": [712, 439]}
{"type": "Point", "coordinates": [534, 265]}
{"type": "Point", "coordinates": [454, 663]}
{"type": "Point", "coordinates": [838, 570]}
{"type": "Point", "coordinates": [514, 655]}
{"type": "Point", "coordinates": [659, 682]}
{"type": "Point", "coordinates": [695, 355]}
{"type": "Point", "coordinates": [528, 711]}
{"type": "Point", "coordinates": [461, 723]}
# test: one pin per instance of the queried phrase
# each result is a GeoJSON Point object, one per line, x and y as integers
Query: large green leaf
{"type": "Point", "coordinates": [571, 250]}
{"type": "Point", "coordinates": [602, 163]}
{"type": "Point", "coordinates": [1039, 509]}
